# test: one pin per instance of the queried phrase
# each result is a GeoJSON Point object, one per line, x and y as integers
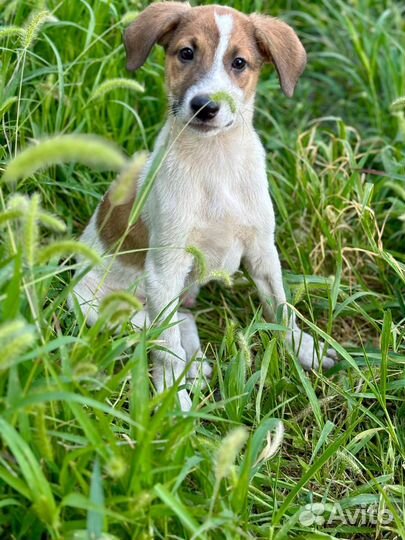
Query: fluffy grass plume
{"type": "Point", "coordinates": [87, 149]}
{"type": "Point", "coordinates": [228, 451]}
{"type": "Point", "coordinates": [20, 207]}
{"type": "Point", "coordinates": [121, 297]}
{"type": "Point", "coordinates": [114, 84]}
{"type": "Point", "coordinates": [68, 247]}
{"type": "Point", "coordinates": [11, 32]}
{"type": "Point", "coordinates": [129, 17]}
{"type": "Point", "coordinates": [33, 27]}
{"type": "Point", "coordinates": [199, 262]}
{"type": "Point", "coordinates": [224, 97]}
{"type": "Point", "coordinates": [15, 338]}
{"type": "Point", "coordinates": [398, 105]}
{"type": "Point", "coordinates": [126, 184]}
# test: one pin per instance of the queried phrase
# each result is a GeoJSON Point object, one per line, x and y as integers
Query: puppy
{"type": "Point", "coordinates": [211, 189]}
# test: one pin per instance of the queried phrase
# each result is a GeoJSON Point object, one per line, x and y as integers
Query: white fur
{"type": "Point", "coordinates": [211, 193]}
{"type": "Point", "coordinates": [218, 80]}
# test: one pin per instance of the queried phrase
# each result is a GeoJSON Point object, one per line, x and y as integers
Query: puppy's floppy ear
{"type": "Point", "coordinates": [152, 26]}
{"type": "Point", "coordinates": [279, 44]}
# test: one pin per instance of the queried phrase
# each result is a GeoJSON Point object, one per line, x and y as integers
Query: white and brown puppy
{"type": "Point", "coordinates": [211, 190]}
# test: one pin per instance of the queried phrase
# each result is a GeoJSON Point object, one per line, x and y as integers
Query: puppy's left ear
{"type": "Point", "coordinates": [279, 45]}
{"type": "Point", "coordinates": [154, 25]}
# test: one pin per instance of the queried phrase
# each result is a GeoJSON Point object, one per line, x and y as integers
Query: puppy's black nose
{"type": "Point", "coordinates": [204, 108]}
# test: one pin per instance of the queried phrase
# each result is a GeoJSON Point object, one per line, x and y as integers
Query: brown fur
{"type": "Point", "coordinates": [154, 25]}
{"type": "Point", "coordinates": [243, 44]}
{"type": "Point", "coordinates": [279, 44]}
{"type": "Point", "coordinates": [112, 223]}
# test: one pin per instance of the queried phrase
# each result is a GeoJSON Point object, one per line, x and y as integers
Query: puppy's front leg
{"type": "Point", "coordinates": [264, 265]}
{"type": "Point", "coordinates": [166, 272]}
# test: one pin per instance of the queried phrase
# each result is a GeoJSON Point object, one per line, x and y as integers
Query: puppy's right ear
{"type": "Point", "coordinates": [152, 26]}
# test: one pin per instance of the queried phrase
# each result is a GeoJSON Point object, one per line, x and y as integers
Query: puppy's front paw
{"type": "Point", "coordinates": [304, 347]}
{"type": "Point", "coordinates": [167, 369]}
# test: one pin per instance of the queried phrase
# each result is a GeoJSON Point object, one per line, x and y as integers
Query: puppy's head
{"type": "Point", "coordinates": [213, 59]}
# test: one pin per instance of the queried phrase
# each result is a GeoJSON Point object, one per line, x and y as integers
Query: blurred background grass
{"type": "Point", "coordinates": [83, 454]}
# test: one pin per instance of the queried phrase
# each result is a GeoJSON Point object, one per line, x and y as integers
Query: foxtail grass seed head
{"type": "Point", "coordinates": [120, 298]}
{"type": "Point", "coordinates": [118, 307]}
{"type": "Point", "coordinates": [84, 370]}
{"type": "Point", "coordinates": [90, 150]}
{"type": "Point", "coordinates": [31, 230]}
{"type": "Point", "coordinates": [125, 185]}
{"type": "Point", "coordinates": [119, 316]}
{"type": "Point", "coordinates": [200, 263]}
{"type": "Point", "coordinates": [28, 211]}
{"type": "Point", "coordinates": [244, 348]}
{"type": "Point", "coordinates": [51, 222]}
{"type": "Point", "coordinates": [221, 275]}
{"type": "Point", "coordinates": [273, 444]}
{"type": "Point", "coordinates": [224, 97]}
{"type": "Point", "coordinates": [299, 293]}
{"type": "Point", "coordinates": [230, 333]}
{"type": "Point", "coordinates": [116, 467]}
{"type": "Point", "coordinates": [398, 105]}
{"type": "Point", "coordinates": [116, 84]}
{"type": "Point", "coordinates": [228, 451]}
{"type": "Point", "coordinates": [69, 247]}
{"type": "Point", "coordinates": [349, 461]}
{"type": "Point", "coordinates": [19, 202]}
{"type": "Point", "coordinates": [9, 215]}
{"type": "Point", "coordinates": [143, 500]}
{"type": "Point", "coordinates": [42, 436]}
{"type": "Point", "coordinates": [15, 338]}
{"type": "Point", "coordinates": [129, 17]}
{"type": "Point", "coordinates": [33, 26]}
{"type": "Point", "coordinates": [11, 32]}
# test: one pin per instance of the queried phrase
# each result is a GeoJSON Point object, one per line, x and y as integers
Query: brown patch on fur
{"type": "Point", "coordinates": [112, 223]}
{"type": "Point", "coordinates": [199, 32]}
{"type": "Point", "coordinates": [243, 44]}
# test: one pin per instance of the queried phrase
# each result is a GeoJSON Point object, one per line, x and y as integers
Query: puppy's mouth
{"type": "Point", "coordinates": [203, 127]}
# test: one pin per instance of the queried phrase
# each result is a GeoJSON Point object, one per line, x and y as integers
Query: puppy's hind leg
{"type": "Point", "coordinates": [88, 292]}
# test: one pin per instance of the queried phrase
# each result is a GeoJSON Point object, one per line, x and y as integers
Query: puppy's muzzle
{"type": "Point", "coordinates": [203, 108]}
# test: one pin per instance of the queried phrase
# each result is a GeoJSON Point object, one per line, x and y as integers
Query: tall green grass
{"type": "Point", "coordinates": [87, 450]}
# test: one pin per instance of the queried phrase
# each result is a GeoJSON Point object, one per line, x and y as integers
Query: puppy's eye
{"type": "Point", "coordinates": [239, 64]}
{"type": "Point", "coordinates": [186, 54]}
